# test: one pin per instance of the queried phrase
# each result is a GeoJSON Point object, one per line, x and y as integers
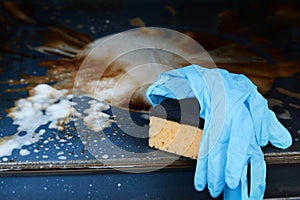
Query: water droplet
{"type": "Point", "coordinates": [62, 157]}
{"type": "Point", "coordinates": [105, 156]}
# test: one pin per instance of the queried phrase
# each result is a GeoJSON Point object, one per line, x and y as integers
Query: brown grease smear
{"type": "Point", "coordinates": [64, 71]}
{"type": "Point", "coordinates": [137, 102]}
{"type": "Point", "coordinates": [22, 12]}
{"type": "Point", "coordinates": [229, 22]}
{"type": "Point", "coordinates": [287, 69]}
{"type": "Point", "coordinates": [171, 9]}
{"type": "Point", "coordinates": [287, 13]}
{"type": "Point", "coordinates": [64, 39]}
{"type": "Point", "coordinates": [137, 22]}
{"type": "Point", "coordinates": [5, 139]}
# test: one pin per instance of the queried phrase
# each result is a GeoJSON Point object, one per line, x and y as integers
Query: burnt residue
{"type": "Point", "coordinates": [137, 100]}
{"type": "Point", "coordinates": [62, 41]}
{"type": "Point", "coordinates": [228, 52]}
{"type": "Point", "coordinates": [63, 72]}
{"type": "Point", "coordinates": [137, 21]}
{"type": "Point", "coordinates": [58, 36]}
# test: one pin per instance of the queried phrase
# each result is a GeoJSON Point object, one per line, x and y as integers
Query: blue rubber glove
{"type": "Point", "coordinates": [232, 133]}
{"type": "Point", "coordinates": [254, 157]}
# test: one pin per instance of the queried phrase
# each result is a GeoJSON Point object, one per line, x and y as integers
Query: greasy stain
{"type": "Point", "coordinates": [62, 41]}
{"type": "Point", "coordinates": [228, 54]}
{"type": "Point", "coordinates": [137, 21]}
{"type": "Point", "coordinates": [171, 9]}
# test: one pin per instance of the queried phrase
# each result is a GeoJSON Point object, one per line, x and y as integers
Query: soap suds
{"type": "Point", "coordinates": [44, 105]}
{"type": "Point", "coordinates": [62, 157]}
{"type": "Point", "coordinates": [4, 159]}
{"type": "Point", "coordinates": [105, 156]}
{"type": "Point", "coordinates": [96, 120]}
{"type": "Point", "coordinates": [9, 143]}
{"type": "Point", "coordinates": [24, 152]}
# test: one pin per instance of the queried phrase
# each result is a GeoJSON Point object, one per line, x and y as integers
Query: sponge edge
{"type": "Point", "coordinates": [172, 137]}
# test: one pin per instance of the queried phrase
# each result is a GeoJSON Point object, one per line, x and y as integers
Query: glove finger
{"type": "Point", "coordinates": [257, 173]}
{"type": "Point", "coordinates": [258, 107]}
{"type": "Point", "coordinates": [241, 192]}
{"type": "Point", "coordinates": [216, 166]}
{"type": "Point", "coordinates": [200, 178]}
{"type": "Point", "coordinates": [267, 127]}
{"type": "Point", "coordinates": [214, 145]}
{"type": "Point", "coordinates": [241, 131]}
{"type": "Point", "coordinates": [279, 135]}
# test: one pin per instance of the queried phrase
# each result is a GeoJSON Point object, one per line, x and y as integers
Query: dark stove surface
{"type": "Point", "coordinates": [259, 39]}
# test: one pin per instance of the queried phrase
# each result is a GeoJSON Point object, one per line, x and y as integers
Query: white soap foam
{"type": "Point", "coordinates": [105, 156]}
{"type": "Point", "coordinates": [24, 152]}
{"type": "Point", "coordinates": [46, 104]}
{"type": "Point", "coordinates": [9, 143]}
{"type": "Point", "coordinates": [62, 157]}
{"type": "Point", "coordinates": [95, 119]}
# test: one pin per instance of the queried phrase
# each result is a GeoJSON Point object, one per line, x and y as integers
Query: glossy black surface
{"type": "Point", "coordinates": [270, 30]}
